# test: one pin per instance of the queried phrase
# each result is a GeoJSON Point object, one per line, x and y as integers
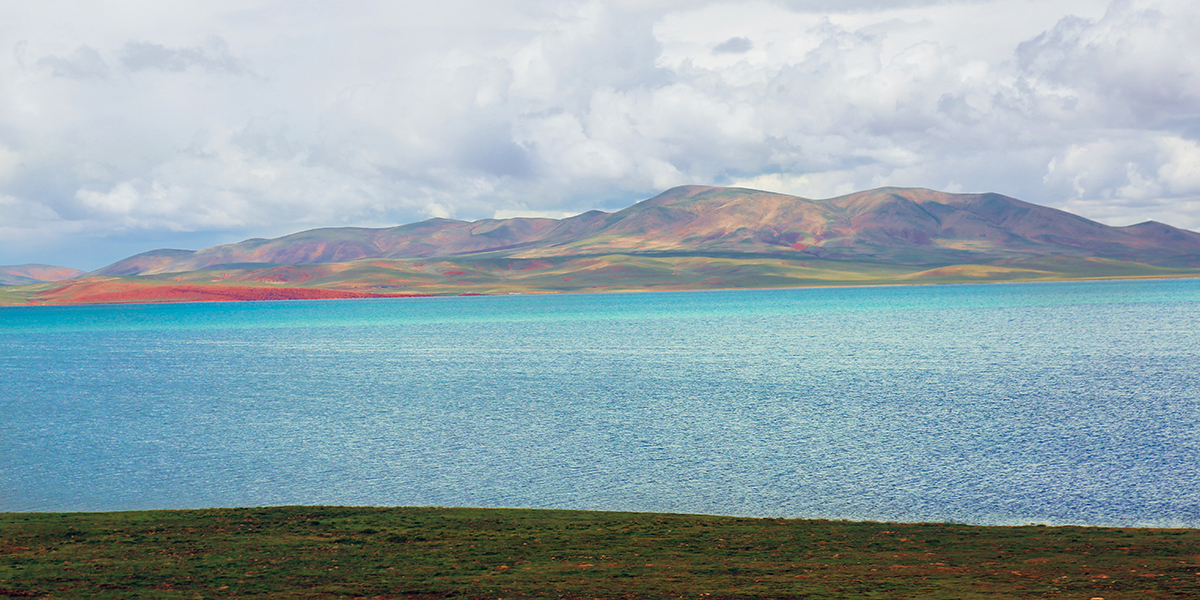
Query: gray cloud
{"type": "Point", "coordinates": [1131, 66]}
{"type": "Point", "coordinates": [734, 45]}
{"type": "Point", "coordinates": [1129, 91]}
{"type": "Point", "coordinates": [381, 114]}
{"type": "Point", "coordinates": [83, 63]}
{"type": "Point", "coordinates": [836, 6]}
{"type": "Point", "coordinates": [212, 56]}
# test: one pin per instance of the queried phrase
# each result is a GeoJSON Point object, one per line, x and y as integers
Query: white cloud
{"type": "Point", "coordinates": [1132, 67]}
{"type": "Point", "coordinates": [223, 117]}
{"type": "Point", "coordinates": [532, 214]}
{"type": "Point", "coordinates": [1148, 172]}
{"type": "Point", "coordinates": [814, 185]}
{"type": "Point", "coordinates": [120, 200]}
{"type": "Point", "coordinates": [1180, 173]}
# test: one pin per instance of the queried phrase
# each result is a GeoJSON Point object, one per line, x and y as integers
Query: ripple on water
{"type": "Point", "coordinates": [1054, 403]}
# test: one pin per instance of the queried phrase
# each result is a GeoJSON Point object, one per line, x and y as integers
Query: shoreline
{"type": "Point", "coordinates": [244, 293]}
{"type": "Point", "coordinates": [577, 511]}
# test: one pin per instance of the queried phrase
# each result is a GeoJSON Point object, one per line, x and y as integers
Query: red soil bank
{"type": "Point", "coordinates": [116, 291]}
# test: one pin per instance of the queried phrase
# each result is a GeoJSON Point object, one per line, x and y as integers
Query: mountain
{"type": "Point", "coordinates": [690, 237]}
{"type": "Point", "coordinates": [34, 273]}
{"type": "Point", "coordinates": [905, 226]}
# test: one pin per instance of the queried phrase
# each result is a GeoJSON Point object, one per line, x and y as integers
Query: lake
{"type": "Point", "coordinates": [1056, 403]}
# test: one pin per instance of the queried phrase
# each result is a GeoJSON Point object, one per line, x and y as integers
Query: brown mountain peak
{"type": "Point", "coordinates": [912, 226]}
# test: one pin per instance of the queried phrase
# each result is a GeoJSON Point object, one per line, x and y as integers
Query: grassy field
{"type": "Point", "coordinates": [426, 553]}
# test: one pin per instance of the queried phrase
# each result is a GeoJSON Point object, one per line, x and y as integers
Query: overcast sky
{"type": "Point", "coordinates": [129, 125]}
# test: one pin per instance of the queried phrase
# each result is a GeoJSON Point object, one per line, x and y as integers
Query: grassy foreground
{"type": "Point", "coordinates": [426, 553]}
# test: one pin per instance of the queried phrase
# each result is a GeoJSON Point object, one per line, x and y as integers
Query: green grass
{"type": "Point", "coordinates": [329, 552]}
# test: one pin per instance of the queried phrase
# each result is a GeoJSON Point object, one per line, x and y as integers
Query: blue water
{"type": "Point", "coordinates": [995, 404]}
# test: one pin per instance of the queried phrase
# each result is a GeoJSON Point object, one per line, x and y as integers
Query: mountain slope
{"type": "Point", "coordinates": [686, 238]}
{"type": "Point", "coordinates": [916, 227]}
{"type": "Point", "coordinates": [35, 273]}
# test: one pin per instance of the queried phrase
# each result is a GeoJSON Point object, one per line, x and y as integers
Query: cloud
{"type": "Point", "coordinates": [828, 6]}
{"type": "Point", "coordinates": [229, 181]}
{"type": "Point", "coordinates": [734, 45]}
{"type": "Point", "coordinates": [9, 162]}
{"type": "Point", "coordinates": [83, 63]}
{"type": "Point", "coordinates": [1127, 97]}
{"type": "Point", "coordinates": [216, 119]}
{"type": "Point", "coordinates": [1144, 170]}
{"type": "Point", "coordinates": [532, 214]}
{"type": "Point", "coordinates": [1127, 68]}
{"type": "Point", "coordinates": [213, 56]}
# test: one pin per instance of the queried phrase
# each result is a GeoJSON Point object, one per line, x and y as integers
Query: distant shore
{"type": "Point", "coordinates": [134, 290]}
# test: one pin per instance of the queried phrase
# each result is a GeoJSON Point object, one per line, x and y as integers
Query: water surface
{"type": "Point", "coordinates": [996, 404]}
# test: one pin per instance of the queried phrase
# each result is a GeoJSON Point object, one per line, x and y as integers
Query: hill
{"type": "Point", "coordinates": [906, 226]}
{"type": "Point", "coordinates": [33, 273]}
{"type": "Point", "coordinates": [690, 237]}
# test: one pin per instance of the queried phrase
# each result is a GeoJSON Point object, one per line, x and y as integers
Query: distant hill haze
{"type": "Point", "coordinates": [26, 274]}
{"type": "Point", "coordinates": [915, 227]}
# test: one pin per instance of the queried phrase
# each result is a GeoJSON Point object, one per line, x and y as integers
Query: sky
{"type": "Point", "coordinates": [131, 125]}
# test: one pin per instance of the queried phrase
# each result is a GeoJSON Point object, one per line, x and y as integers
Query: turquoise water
{"type": "Point", "coordinates": [996, 404]}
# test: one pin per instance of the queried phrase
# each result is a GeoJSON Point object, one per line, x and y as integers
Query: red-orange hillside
{"type": "Point", "coordinates": [115, 291]}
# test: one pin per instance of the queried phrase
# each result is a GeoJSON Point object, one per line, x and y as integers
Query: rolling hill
{"type": "Point", "coordinates": [33, 273]}
{"type": "Point", "coordinates": [690, 237]}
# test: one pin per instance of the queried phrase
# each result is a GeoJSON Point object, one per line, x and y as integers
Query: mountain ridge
{"type": "Point", "coordinates": [686, 238]}
{"type": "Point", "coordinates": [947, 227]}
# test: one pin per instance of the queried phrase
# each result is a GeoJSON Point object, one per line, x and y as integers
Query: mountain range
{"type": "Point", "coordinates": [690, 237]}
